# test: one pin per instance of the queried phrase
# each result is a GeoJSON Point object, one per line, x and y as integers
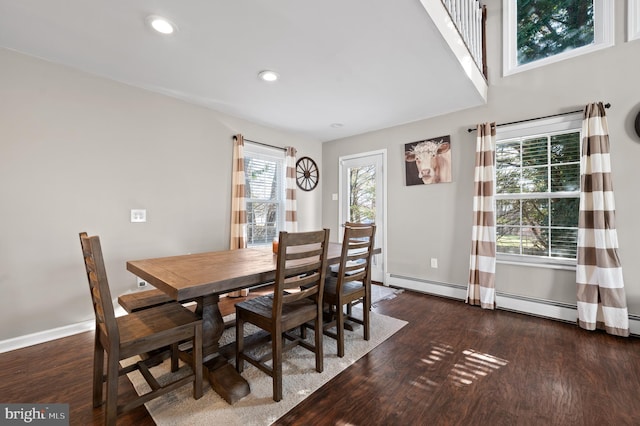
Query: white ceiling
{"type": "Point", "coordinates": [368, 64]}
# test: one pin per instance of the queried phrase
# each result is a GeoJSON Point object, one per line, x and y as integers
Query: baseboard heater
{"type": "Point", "coordinates": [509, 302]}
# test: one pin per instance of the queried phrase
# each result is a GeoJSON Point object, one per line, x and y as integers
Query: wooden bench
{"type": "Point", "coordinates": [133, 302]}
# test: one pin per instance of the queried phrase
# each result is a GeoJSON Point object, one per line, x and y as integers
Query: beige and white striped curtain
{"type": "Point", "coordinates": [291, 213]}
{"type": "Point", "coordinates": [238, 205]}
{"type": "Point", "coordinates": [600, 285]}
{"type": "Point", "coordinates": [482, 268]}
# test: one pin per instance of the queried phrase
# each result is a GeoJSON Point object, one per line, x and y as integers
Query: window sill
{"type": "Point", "coordinates": [546, 263]}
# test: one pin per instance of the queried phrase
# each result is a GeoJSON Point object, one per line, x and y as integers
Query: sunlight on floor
{"type": "Point", "coordinates": [473, 366]}
{"type": "Point", "coordinates": [476, 365]}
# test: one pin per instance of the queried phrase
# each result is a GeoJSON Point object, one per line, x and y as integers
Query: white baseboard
{"type": "Point", "coordinates": [52, 334]}
{"type": "Point", "coordinates": [45, 336]}
{"type": "Point", "coordinates": [525, 305]}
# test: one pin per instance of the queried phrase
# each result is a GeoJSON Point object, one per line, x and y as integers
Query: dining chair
{"type": "Point", "coordinates": [351, 283]}
{"type": "Point", "coordinates": [135, 334]}
{"type": "Point", "coordinates": [301, 261]}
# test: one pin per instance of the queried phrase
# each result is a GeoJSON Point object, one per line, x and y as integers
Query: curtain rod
{"type": "Point", "coordinates": [607, 105]}
{"type": "Point", "coordinates": [262, 143]}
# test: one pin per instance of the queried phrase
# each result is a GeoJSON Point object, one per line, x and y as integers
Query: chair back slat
{"type": "Point", "coordinates": [357, 249]}
{"type": "Point", "coordinates": [302, 260]}
{"type": "Point", "coordinates": [299, 270]}
{"type": "Point", "coordinates": [99, 288]}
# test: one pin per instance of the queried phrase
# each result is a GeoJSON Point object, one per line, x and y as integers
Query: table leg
{"type": "Point", "coordinates": [224, 378]}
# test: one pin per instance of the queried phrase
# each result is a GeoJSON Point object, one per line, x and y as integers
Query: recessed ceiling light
{"type": "Point", "coordinates": [161, 25]}
{"type": "Point", "coordinates": [268, 76]}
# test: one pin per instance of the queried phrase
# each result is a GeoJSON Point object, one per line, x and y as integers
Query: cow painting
{"type": "Point", "coordinates": [428, 161]}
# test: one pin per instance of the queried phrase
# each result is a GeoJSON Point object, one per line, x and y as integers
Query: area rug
{"type": "Point", "coordinates": [380, 293]}
{"type": "Point", "coordinates": [258, 408]}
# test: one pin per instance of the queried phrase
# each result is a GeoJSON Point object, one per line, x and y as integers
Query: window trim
{"type": "Point", "coordinates": [604, 32]}
{"type": "Point", "coordinates": [259, 151]}
{"type": "Point", "coordinates": [633, 20]}
{"type": "Point", "coordinates": [531, 129]}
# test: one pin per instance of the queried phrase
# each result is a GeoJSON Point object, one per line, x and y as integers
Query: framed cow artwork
{"type": "Point", "coordinates": [428, 161]}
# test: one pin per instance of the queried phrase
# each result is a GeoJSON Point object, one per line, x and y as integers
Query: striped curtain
{"type": "Point", "coordinates": [291, 213]}
{"type": "Point", "coordinates": [238, 205]}
{"type": "Point", "coordinates": [600, 286]}
{"type": "Point", "coordinates": [482, 268]}
{"type": "Point", "coordinates": [238, 238]}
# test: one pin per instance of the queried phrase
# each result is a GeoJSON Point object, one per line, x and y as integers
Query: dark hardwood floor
{"type": "Point", "coordinates": [451, 365]}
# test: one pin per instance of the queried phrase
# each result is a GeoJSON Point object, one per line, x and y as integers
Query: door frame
{"type": "Point", "coordinates": [383, 153]}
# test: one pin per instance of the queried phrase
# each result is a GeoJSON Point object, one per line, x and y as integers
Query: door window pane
{"type": "Point", "coordinates": [362, 194]}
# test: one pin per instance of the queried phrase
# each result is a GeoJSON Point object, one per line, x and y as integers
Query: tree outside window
{"type": "Point", "coordinates": [362, 194]}
{"type": "Point", "coordinates": [537, 195]}
{"type": "Point", "coordinates": [547, 28]}
{"type": "Point", "coordinates": [541, 32]}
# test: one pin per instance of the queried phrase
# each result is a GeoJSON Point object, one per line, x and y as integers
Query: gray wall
{"type": "Point", "coordinates": [435, 220]}
{"type": "Point", "coordinates": [77, 152]}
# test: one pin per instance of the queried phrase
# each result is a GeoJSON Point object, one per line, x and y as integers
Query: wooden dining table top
{"type": "Point", "coordinates": [200, 274]}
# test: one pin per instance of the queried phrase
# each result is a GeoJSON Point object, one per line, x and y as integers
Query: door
{"type": "Point", "coordinates": [362, 198]}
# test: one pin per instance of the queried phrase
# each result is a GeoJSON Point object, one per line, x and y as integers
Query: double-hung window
{"type": "Point", "coordinates": [541, 32]}
{"type": "Point", "coordinates": [265, 194]}
{"type": "Point", "coordinates": [538, 191]}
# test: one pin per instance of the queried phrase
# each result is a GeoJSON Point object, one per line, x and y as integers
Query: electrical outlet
{"type": "Point", "coordinates": [138, 215]}
{"type": "Point", "coordinates": [141, 283]}
{"type": "Point", "coordinates": [434, 263]}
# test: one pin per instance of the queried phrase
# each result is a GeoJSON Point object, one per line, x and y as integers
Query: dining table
{"type": "Point", "coordinates": [204, 277]}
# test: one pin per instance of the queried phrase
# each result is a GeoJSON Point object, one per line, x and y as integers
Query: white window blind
{"type": "Point", "coordinates": [264, 180]}
{"type": "Point", "coordinates": [538, 192]}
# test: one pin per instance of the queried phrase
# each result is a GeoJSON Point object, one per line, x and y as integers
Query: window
{"type": "Point", "coordinates": [264, 179]}
{"type": "Point", "coordinates": [538, 192]}
{"type": "Point", "coordinates": [541, 32]}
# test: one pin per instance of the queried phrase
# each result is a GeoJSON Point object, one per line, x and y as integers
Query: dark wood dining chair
{"type": "Point", "coordinates": [351, 283]}
{"type": "Point", "coordinates": [135, 334]}
{"type": "Point", "coordinates": [301, 261]}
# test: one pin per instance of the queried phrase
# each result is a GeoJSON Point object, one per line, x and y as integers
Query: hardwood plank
{"type": "Point", "coordinates": [554, 373]}
{"type": "Point", "coordinates": [457, 364]}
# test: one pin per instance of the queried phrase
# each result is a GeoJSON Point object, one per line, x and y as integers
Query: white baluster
{"type": "Point", "coordinates": [465, 25]}
{"type": "Point", "coordinates": [478, 34]}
